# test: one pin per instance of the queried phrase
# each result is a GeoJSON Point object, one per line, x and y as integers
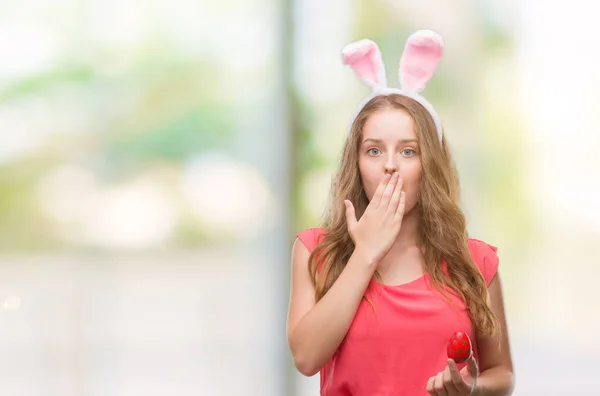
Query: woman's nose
{"type": "Point", "coordinates": [391, 167]}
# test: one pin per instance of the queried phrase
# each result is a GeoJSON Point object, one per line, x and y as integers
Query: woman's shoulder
{"type": "Point", "coordinates": [486, 258]}
{"type": "Point", "coordinates": [311, 237]}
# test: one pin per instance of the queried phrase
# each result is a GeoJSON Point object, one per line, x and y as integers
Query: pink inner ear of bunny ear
{"type": "Point", "coordinates": [365, 59]}
{"type": "Point", "coordinates": [422, 54]}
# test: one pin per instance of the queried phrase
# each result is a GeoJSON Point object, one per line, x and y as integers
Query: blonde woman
{"type": "Point", "coordinates": [379, 290]}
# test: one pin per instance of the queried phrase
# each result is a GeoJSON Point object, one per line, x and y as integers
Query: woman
{"type": "Point", "coordinates": [377, 292]}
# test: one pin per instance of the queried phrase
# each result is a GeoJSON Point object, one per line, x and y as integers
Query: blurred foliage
{"type": "Point", "coordinates": [157, 110]}
{"type": "Point", "coordinates": [22, 227]}
{"type": "Point", "coordinates": [176, 139]}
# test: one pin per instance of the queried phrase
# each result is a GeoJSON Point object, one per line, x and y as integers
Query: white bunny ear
{"type": "Point", "coordinates": [422, 54]}
{"type": "Point", "coordinates": [365, 59]}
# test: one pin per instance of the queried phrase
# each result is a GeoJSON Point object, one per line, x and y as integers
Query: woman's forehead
{"type": "Point", "coordinates": [389, 125]}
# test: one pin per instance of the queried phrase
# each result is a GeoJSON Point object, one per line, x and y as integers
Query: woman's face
{"type": "Point", "coordinates": [389, 143]}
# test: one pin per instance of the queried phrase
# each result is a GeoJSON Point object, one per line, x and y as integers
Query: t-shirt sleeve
{"type": "Point", "coordinates": [307, 237]}
{"type": "Point", "coordinates": [311, 237]}
{"type": "Point", "coordinates": [486, 258]}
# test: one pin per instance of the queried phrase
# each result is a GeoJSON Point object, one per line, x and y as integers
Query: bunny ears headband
{"type": "Point", "coordinates": [422, 54]}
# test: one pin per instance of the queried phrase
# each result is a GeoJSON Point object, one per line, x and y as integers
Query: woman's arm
{"type": "Point", "coordinates": [315, 331]}
{"type": "Point", "coordinates": [495, 361]}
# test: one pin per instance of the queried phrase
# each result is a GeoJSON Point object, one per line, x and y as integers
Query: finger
{"type": "Point", "coordinates": [438, 385]}
{"type": "Point", "coordinates": [388, 191]}
{"type": "Point", "coordinates": [429, 388]}
{"type": "Point", "coordinates": [401, 206]}
{"type": "Point", "coordinates": [455, 378]}
{"type": "Point", "coordinates": [473, 367]}
{"type": "Point", "coordinates": [350, 214]}
{"type": "Point", "coordinates": [395, 200]}
{"type": "Point", "coordinates": [379, 192]}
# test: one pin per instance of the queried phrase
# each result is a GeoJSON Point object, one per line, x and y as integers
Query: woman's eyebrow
{"type": "Point", "coordinates": [374, 140]}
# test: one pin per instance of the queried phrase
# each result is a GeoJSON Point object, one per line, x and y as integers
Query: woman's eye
{"type": "Point", "coordinates": [408, 152]}
{"type": "Point", "coordinates": [373, 151]}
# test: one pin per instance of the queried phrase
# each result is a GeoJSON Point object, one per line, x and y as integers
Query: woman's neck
{"type": "Point", "coordinates": [408, 238]}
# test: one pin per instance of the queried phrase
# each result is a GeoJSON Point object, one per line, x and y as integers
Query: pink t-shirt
{"type": "Point", "coordinates": [393, 349]}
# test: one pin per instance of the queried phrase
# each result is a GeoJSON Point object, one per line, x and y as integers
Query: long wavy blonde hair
{"type": "Point", "coordinates": [442, 232]}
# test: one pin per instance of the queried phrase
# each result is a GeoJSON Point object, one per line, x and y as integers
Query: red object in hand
{"type": "Point", "coordinates": [459, 347]}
